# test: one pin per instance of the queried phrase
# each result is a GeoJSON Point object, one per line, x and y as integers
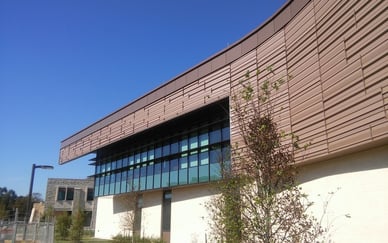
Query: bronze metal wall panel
{"type": "Point", "coordinates": [336, 52]}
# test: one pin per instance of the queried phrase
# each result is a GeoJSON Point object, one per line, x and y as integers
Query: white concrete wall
{"type": "Point", "coordinates": [151, 214]}
{"type": "Point", "coordinates": [189, 222]}
{"type": "Point", "coordinates": [108, 223]}
{"type": "Point", "coordinates": [362, 179]}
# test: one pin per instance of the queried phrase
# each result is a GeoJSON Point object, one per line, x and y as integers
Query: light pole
{"type": "Point", "coordinates": [34, 166]}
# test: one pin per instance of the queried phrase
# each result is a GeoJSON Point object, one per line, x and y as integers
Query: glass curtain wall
{"type": "Point", "coordinates": [191, 156]}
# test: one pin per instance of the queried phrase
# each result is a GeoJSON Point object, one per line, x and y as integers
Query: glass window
{"type": "Point", "coordinates": [204, 138]}
{"type": "Point", "coordinates": [101, 189]}
{"type": "Point", "coordinates": [118, 183]}
{"type": "Point", "coordinates": [183, 170]}
{"type": "Point", "coordinates": [203, 173]}
{"type": "Point", "coordinates": [226, 133]}
{"type": "Point", "coordinates": [137, 158]}
{"type": "Point", "coordinates": [193, 170]}
{"type": "Point", "coordinates": [193, 160]}
{"type": "Point", "coordinates": [226, 157]}
{"type": "Point", "coordinates": [144, 156]}
{"type": "Point", "coordinates": [166, 150]}
{"type": "Point", "coordinates": [157, 174]}
{"type": "Point", "coordinates": [215, 136]}
{"type": "Point", "coordinates": [119, 163]}
{"type": "Point", "coordinates": [98, 169]}
{"type": "Point", "coordinates": [130, 185]}
{"type": "Point", "coordinates": [204, 157]}
{"type": "Point", "coordinates": [215, 159]}
{"type": "Point", "coordinates": [151, 154]}
{"type": "Point", "coordinates": [165, 173]}
{"type": "Point", "coordinates": [174, 172]}
{"type": "Point", "coordinates": [96, 186]}
{"type": "Point", "coordinates": [215, 171]}
{"type": "Point", "coordinates": [113, 165]}
{"type": "Point", "coordinates": [112, 184]}
{"type": "Point", "coordinates": [175, 147]}
{"type": "Point", "coordinates": [136, 176]}
{"type": "Point", "coordinates": [131, 159]}
{"type": "Point", "coordinates": [158, 152]}
{"type": "Point", "coordinates": [61, 195]}
{"type": "Point", "coordinates": [107, 166]}
{"type": "Point", "coordinates": [204, 165]}
{"type": "Point", "coordinates": [123, 182]}
{"type": "Point", "coordinates": [125, 161]}
{"type": "Point", "coordinates": [215, 154]}
{"type": "Point", "coordinates": [70, 194]}
{"type": "Point", "coordinates": [184, 144]}
{"type": "Point", "coordinates": [143, 177]}
{"type": "Point", "coordinates": [106, 184]}
{"type": "Point", "coordinates": [150, 176]}
{"type": "Point", "coordinates": [193, 141]}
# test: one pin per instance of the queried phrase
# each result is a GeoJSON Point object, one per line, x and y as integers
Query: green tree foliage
{"type": "Point", "coordinates": [77, 226]}
{"type": "Point", "coordinates": [10, 201]}
{"type": "Point", "coordinates": [62, 226]}
{"type": "Point", "coordinates": [259, 199]}
{"type": "Point", "coordinates": [48, 215]}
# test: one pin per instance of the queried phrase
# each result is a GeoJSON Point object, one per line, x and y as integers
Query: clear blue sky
{"type": "Point", "coordinates": [65, 64]}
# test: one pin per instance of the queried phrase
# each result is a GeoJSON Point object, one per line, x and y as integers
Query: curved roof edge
{"type": "Point", "coordinates": [250, 41]}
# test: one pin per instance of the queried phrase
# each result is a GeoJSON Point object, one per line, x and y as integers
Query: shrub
{"type": "Point", "coordinates": [62, 226]}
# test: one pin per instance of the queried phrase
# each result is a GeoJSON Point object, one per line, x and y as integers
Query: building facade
{"type": "Point", "coordinates": [167, 145]}
{"type": "Point", "coordinates": [70, 195]}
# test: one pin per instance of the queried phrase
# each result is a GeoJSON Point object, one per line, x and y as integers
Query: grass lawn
{"type": "Point", "coordinates": [85, 240]}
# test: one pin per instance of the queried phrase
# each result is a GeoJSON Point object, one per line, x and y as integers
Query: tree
{"type": "Point", "coordinates": [62, 226]}
{"type": "Point", "coordinates": [131, 217]}
{"type": "Point", "coordinates": [77, 226]}
{"type": "Point", "coordinates": [259, 199]}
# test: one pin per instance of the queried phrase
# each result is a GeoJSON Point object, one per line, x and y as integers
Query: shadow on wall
{"type": "Point", "coordinates": [120, 202]}
{"type": "Point", "coordinates": [376, 158]}
{"type": "Point", "coordinates": [192, 192]}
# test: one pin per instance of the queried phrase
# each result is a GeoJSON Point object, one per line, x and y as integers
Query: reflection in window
{"type": "Point", "coordinates": [137, 158]}
{"type": "Point", "coordinates": [183, 144]}
{"type": "Point", "coordinates": [215, 159]}
{"type": "Point", "coordinates": [151, 154]}
{"type": "Point", "coordinates": [204, 139]}
{"type": "Point", "coordinates": [193, 141]}
{"type": "Point", "coordinates": [157, 175]}
{"type": "Point", "coordinates": [131, 159]}
{"type": "Point", "coordinates": [143, 177]}
{"type": "Point", "coordinates": [215, 136]}
{"type": "Point", "coordinates": [118, 183]}
{"type": "Point", "coordinates": [183, 170]}
{"type": "Point", "coordinates": [123, 187]}
{"type": "Point", "coordinates": [130, 181]}
{"type": "Point", "coordinates": [193, 170]}
{"type": "Point", "coordinates": [165, 173]}
{"type": "Point", "coordinates": [158, 152]}
{"type": "Point", "coordinates": [136, 176]}
{"type": "Point", "coordinates": [174, 172]}
{"type": "Point", "coordinates": [70, 194]}
{"type": "Point", "coordinates": [204, 166]}
{"type": "Point", "coordinates": [166, 150]}
{"type": "Point", "coordinates": [150, 176]}
{"type": "Point", "coordinates": [144, 156]}
{"type": "Point", "coordinates": [112, 183]}
{"type": "Point", "coordinates": [226, 133]}
{"type": "Point", "coordinates": [175, 147]}
{"type": "Point", "coordinates": [191, 157]}
{"type": "Point", "coordinates": [61, 195]}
